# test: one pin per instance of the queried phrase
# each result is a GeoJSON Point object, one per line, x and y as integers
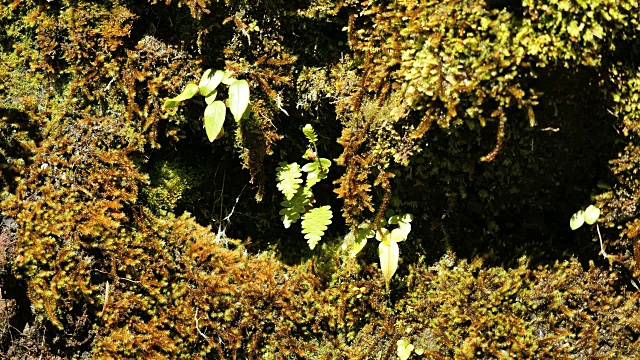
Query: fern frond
{"type": "Point", "coordinates": [316, 170]}
{"type": "Point", "coordinates": [289, 179]}
{"type": "Point", "coordinates": [310, 133]}
{"type": "Point", "coordinates": [291, 209]}
{"type": "Point", "coordinates": [314, 224]}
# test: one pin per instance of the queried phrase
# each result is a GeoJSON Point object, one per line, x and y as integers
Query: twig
{"type": "Point", "coordinates": [198, 326]}
{"type": "Point", "coordinates": [601, 246]}
{"type": "Point", "coordinates": [106, 298]}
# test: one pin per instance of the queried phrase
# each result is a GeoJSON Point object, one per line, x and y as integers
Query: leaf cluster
{"type": "Point", "coordinates": [298, 198]}
{"type": "Point", "coordinates": [216, 111]}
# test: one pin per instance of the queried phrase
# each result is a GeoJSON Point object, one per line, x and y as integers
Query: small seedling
{"type": "Point", "coordinates": [589, 216]}
{"type": "Point", "coordinates": [404, 349]}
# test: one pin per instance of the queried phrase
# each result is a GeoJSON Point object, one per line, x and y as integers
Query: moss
{"type": "Point", "coordinates": [457, 309]}
{"type": "Point", "coordinates": [169, 181]}
{"type": "Point", "coordinates": [423, 92]}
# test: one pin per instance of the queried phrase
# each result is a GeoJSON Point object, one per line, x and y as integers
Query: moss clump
{"type": "Point", "coordinates": [456, 309]}
{"type": "Point", "coordinates": [169, 182]}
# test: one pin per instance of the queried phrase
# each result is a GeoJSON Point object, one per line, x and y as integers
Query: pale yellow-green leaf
{"type": "Point", "coordinates": [238, 98]}
{"type": "Point", "coordinates": [404, 349]}
{"type": "Point", "coordinates": [314, 224]}
{"type": "Point", "coordinates": [211, 97]}
{"type": "Point", "coordinates": [189, 91]}
{"type": "Point", "coordinates": [170, 104]}
{"type": "Point", "coordinates": [209, 82]}
{"type": "Point", "coordinates": [577, 220]}
{"type": "Point", "coordinates": [389, 256]}
{"type": "Point", "coordinates": [227, 78]}
{"type": "Point", "coordinates": [247, 112]}
{"type": "Point", "coordinates": [591, 214]}
{"type": "Point", "coordinates": [214, 115]}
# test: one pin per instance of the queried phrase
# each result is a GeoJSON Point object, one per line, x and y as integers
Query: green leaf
{"type": "Point", "coordinates": [316, 170]}
{"type": "Point", "coordinates": [577, 220]}
{"type": "Point", "coordinates": [227, 79]}
{"type": "Point", "coordinates": [591, 215]}
{"type": "Point", "coordinates": [324, 163]}
{"type": "Point", "coordinates": [389, 256]}
{"type": "Point", "coordinates": [214, 115]}
{"type": "Point", "coordinates": [189, 91]}
{"type": "Point", "coordinates": [310, 167]}
{"type": "Point", "coordinates": [211, 97]}
{"type": "Point", "coordinates": [293, 208]}
{"type": "Point", "coordinates": [238, 98]}
{"type": "Point", "coordinates": [404, 227]}
{"type": "Point", "coordinates": [209, 82]}
{"type": "Point", "coordinates": [314, 224]}
{"type": "Point", "coordinates": [170, 104]}
{"type": "Point", "coordinates": [404, 349]}
{"type": "Point", "coordinates": [355, 242]}
{"type": "Point", "coordinates": [247, 112]}
{"type": "Point", "coordinates": [289, 179]}
{"type": "Point", "coordinates": [310, 133]}
{"type": "Point", "coordinates": [289, 216]}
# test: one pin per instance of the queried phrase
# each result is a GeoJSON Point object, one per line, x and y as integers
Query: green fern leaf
{"type": "Point", "coordinates": [293, 208]}
{"type": "Point", "coordinates": [289, 179]}
{"type": "Point", "coordinates": [314, 224]}
{"type": "Point", "coordinates": [309, 133]}
{"type": "Point", "coordinates": [316, 170]}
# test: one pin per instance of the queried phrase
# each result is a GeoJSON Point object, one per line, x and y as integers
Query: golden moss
{"type": "Point", "coordinates": [460, 310]}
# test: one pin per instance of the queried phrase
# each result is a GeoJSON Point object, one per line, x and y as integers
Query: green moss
{"type": "Point", "coordinates": [456, 309]}
{"type": "Point", "coordinates": [170, 180]}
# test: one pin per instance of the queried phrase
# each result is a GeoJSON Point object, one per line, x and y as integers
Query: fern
{"type": "Point", "coordinates": [297, 202]}
{"type": "Point", "coordinates": [293, 208]}
{"type": "Point", "coordinates": [310, 134]}
{"type": "Point", "coordinates": [316, 170]}
{"type": "Point", "coordinates": [289, 179]}
{"type": "Point", "coordinates": [314, 224]}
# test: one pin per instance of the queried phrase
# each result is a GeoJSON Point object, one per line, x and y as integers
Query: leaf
{"type": "Point", "coordinates": [209, 82]}
{"type": "Point", "coordinates": [170, 104]}
{"type": "Point", "coordinates": [591, 215]}
{"type": "Point", "coordinates": [577, 220]}
{"type": "Point", "coordinates": [189, 91]}
{"type": "Point", "coordinates": [389, 255]}
{"type": "Point", "coordinates": [404, 349]}
{"type": "Point", "coordinates": [310, 133]}
{"type": "Point", "coordinates": [247, 112]}
{"type": "Point", "coordinates": [227, 79]}
{"type": "Point", "coordinates": [289, 179]}
{"type": "Point", "coordinates": [214, 115]}
{"type": "Point", "coordinates": [238, 98]}
{"type": "Point", "coordinates": [289, 216]}
{"type": "Point", "coordinates": [293, 208]}
{"type": "Point", "coordinates": [314, 224]}
{"type": "Point", "coordinates": [356, 241]}
{"type": "Point", "coordinates": [316, 170]}
{"type": "Point", "coordinates": [211, 98]}
{"type": "Point", "coordinates": [404, 227]}
{"type": "Point", "coordinates": [310, 167]}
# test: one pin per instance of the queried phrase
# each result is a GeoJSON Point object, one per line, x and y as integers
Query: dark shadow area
{"type": "Point", "coordinates": [519, 204]}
